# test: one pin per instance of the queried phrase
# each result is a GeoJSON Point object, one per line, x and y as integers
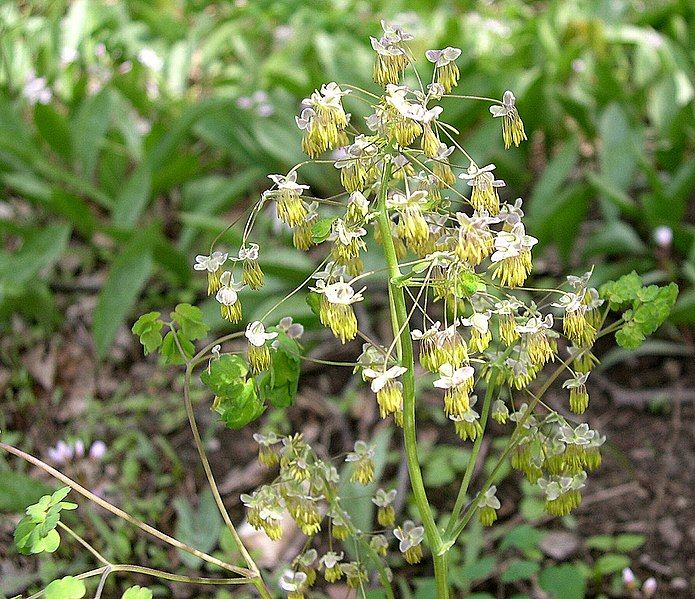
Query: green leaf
{"type": "Point", "coordinates": [133, 198]}
{"type": "Point", "coordinates": [225, 374]}
{"type": "Point", "coordinates": [199, 528]}
{"type": "Point", "coordinates": [519, 570]}
{"type": "Point", "coordinates": [614, 238]}
{"type": "Point", "coordinates": [35, 532]}
{"type": "Point", "coordinates": [565, 581]}
{"type": "Point", "coordinates": [18, 490]}
{"type": "Point", "coordinates": [89, 130]}
{"type": "Point", "coordinates": [53, 127]}
{"type": "Point", "coordinates": [623, 290]}
{"type": "Point", "coordinates": [279, 385]}
{"type": "Point", "coordinates": [149, 328]}
{"type": "Point", "coordinates": [321, 229]}
{"type": "Point", "coordinates": [138, 592]}
{"type": "Point", "coordinates": [611, 563]}
{"type": "Point", "coordinates": [241, 408]}
{"type": "Point", "coordinates": [522, 537]}
{"type": "Point", "coordinates": [190, 319]}
{"type": "Point", "coordinates": [65, 588]}
{"type": "Point", "coordinates": [127, 277]}
{"type": "Point", "coordinates": [475, 570]}
{"type": "Point", "coordinates": [41, 248]}
{"type": "Point", "coordinates": [600, 542]}
{"type": "Point", "coordinates": [629, 542]}
{"type": "Point", "coordinates": [170, 351]}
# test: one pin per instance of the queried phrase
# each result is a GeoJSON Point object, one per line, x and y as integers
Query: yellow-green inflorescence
{"type": "Point", "coordinates": [464, 257]}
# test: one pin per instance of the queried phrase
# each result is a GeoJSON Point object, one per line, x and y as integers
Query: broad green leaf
{"type": "Point", "coordinates": [321, 229]}
{"type": "Point", "coordinates": [279, 385]}
{"type": "Point", "coordinates": [197, 527]}
{"type": "Point", "coordinates": [190, 319]}
{"type": "Point", "coordinates": [138, 592]}
{"type": "Point", "coordinates": [611, 563]}
{"type": "Point", "coordinates": [617, 157]}
{"type": "Point", "coordinates": [614, 238]}
{"type": "Point", "coordinates": [240, 408]}
{"type": "Point", "coordinates": [149, 329]}
{"type": "Point", "coordinates": [65, 588]}
{"type": "Point", "coordinates": [171, 350]}
{"type": "Point", "coordinates": [519, 570]}
{"type": "Point", "coordinates": [629, 542]}
{"type": "Point", "coordinates": [89, 130]}
{"type": "Point", "coordinates": [18, 490]}
{"type": "Point", "coordinates": [128, 274]}
{"type": "Point", "coordinates": [225, 374]}
{"type": "Point", "coordinates": [565, 581]}
{"type": "Point", "coordinates": [132, 200]}
{"type": "Point", "coordinates": [54, 129]}
{"type": "Point", "coordinates": [522, 537]}
{"type": "Point", "coordinates": [601, 542]}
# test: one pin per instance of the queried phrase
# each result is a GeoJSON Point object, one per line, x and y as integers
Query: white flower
{"type": "Point", "coordinates": [508, 105]}
{"type": "Point", "coordinates": [480, 321]}
{"type": "Point", "coordinates": [305, 119]}
{"type": "Point", "coordinates": [255, 333]}
{"type": "Point", "coordinates": [339, 292]}
{"type": "Point", "coordinates": [210, 263]}
{"type": "Point", "coordinates": [441, 58]}
{"type": "Point", "coordinates": [149, 58]}
{"type": "Point", "coordinates": [536, 324]}
{"type": "Point", "coordinates": [344, 234]}
{"type": "Point", "coordinates": [294, 330]}
{"type": "Point", "coordinates": [418, 335]}
{"type": "Point", "coordinates": [489, 499]}
{"type": "Point", "coordinates": [288, 182]}
{"type": "Point", "coordinates": [577, 381]}
{"type": "Point", "coordinates": [476, 175]}
{"type": "Point", "coordinates": [36, 90]}
{"type": "Point", "coordinates": [331, 270]}
{"type": "Point", "coordinates": [329, 96]}
{"type": "Point", "coordinates": [409, 535]}
{"type": "Point", "coordinates": [399, 201]}
{"type": "Point", "coordinates": [228, 293]}
{"type": "Point", "coordinates": [362, 451]}
{"type": "Point", "coordinates": [449, 377]}
{"type": "Point", "coordinates": [330, 559]}
{"type": "Point", "coordinates": [379, 379]}
{"type": "Point", "coordinates": [250, 253]}
{"type": "Point", "coordinates": [383, 498]}
{"type": "Point", "coordinates": [291, 581]}
{"type": "Point", "coordinates": [509, 244]}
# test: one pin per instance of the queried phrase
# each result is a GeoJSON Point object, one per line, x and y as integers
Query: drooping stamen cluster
{"type": "Point", "coordinates": [512, 126]}
{"type": "Point", "coordinates": [391, 57]}
{"type": "Point", "coordinates": [446, 72]}
{"type": "Point", "coordinates": [324, 120]}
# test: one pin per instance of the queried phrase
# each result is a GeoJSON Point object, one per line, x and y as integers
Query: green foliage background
{"type": "Point", "coordinates": [128, 170]}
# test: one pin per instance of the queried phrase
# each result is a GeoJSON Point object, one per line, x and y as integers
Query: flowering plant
{"type": "Point", "coordinates": [456, 260]}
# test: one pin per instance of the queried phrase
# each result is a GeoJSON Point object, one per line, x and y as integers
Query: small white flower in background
{"type": "Point", "coordinates": [61, 453]}
{"type": "Point", "coordinates": [629, 579]}
{"type": "Point", "coordinates": [288, 182]}
{"type": "Point", "coordinates": [649, 587]}
{"type": "Point", "coordinates": [79, 448]}
{"type": "Point", "coordinates": [97, 451]}
{"type": "Point", "coordinates": [68, 55]}
{"type": "Point", "coordinates": [255, 333]}
{"type": "Point", "coordinates": [257, 101]}
{"type": "Point", "coordinates": [149, 58]}
{"type": "Point", "coordinates": [379, 379]}
{"type": "Point", "coordinates": [450, 377]}
{"type": "Point", "coordinates": [244, 102]}
{"type": "Point", "coordinates": [294, 330]}
{"type": "Point", "coordinates": [36, 90]}
{"type": "Point", "coordinates": [663, 236]}
{"type": "Point", "coordinates": [210, 263]}
{"type": "Point", "coordinates": [330, 559]}
{"type": "Point", "coordinates": [443, 57]}
{"type": "Point", "coordinates": [282, 33]}
{"type": "Point", "coordinates": [331, 270]}
{"type": "Point", "coordinates": [100, 50]}
{"type": "Point", "coordinates": [508, 105]}
{"type": "Point", "coordinates": [489, 499]}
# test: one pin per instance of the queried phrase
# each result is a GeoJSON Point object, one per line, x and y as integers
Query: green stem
{"type": "Point", "coordinates": [472, 461]}
{"type": "Point", "coordinates": [399, 318]}
{"type": "Point", "coordinates": [213, 485]}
